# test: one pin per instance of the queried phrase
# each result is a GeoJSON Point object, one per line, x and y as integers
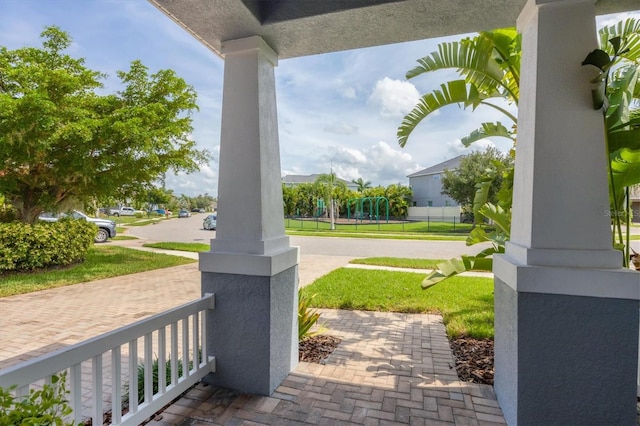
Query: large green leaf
{"type": "Point", "coordinates": [481, 197]}
{"type": "Point", "coordinates": [455, 92]}
{"type": "Point", "coordinates": [629, 33]}
{"type": "Point", "coordinates": [488, 130]}
{"type": "Point", "coordinates": [498, 215]}
{"type": "Point", "coordinates": [624, 139]}
{"type": "Point", "coordinates": [625, 164]}
{"type": "Point", "coordinates": [453, 267]}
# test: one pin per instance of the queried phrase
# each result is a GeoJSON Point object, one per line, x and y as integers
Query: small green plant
{"type": "Point", "coordinates": [44, 407]}
{"type": "Point", "coordinates": [307, 317]}
{"type": "Point", "coordinates": [155, 372]}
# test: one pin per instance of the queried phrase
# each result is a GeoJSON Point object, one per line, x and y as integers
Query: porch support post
{"type": "Point", "coordinates": [566, 313]}
{"type": "Point", "coordinates": [251, 267]}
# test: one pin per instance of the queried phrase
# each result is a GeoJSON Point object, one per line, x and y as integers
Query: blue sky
{"type": "Point", "coordinates": [340, 109]}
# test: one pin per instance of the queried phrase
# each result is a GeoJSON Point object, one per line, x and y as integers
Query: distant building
{"type": "Point", "coordinates": [293, 180]}
{"type": "Point", "coordinates": [427, 185]}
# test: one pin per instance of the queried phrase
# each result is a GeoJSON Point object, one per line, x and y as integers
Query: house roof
{"type": "Point", "coordinates": [450, 164]}
{"type": "Point", "coordinates": [305, 27]}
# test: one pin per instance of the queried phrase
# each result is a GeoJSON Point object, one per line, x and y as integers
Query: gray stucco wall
{"type": "Point", "coordinates": [429, 188]}
{"type": "Point", "coordinates": [565, 359]}
{"type": "Point", "coordinates": [253, 329]}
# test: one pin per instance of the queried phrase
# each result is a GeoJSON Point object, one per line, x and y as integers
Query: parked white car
{"type": "Point", "coordinates": [124, 211]}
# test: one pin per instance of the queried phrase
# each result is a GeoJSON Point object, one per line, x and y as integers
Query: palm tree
{"type": "Point", "coordinates": [362, 185]}
{"type": "Point", "coordinates": [328, 182]}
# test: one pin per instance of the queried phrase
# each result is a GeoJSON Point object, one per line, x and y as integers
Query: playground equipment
{"type": "Point", "coordinates": [360, 202]}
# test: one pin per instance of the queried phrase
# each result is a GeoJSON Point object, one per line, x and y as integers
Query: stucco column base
{"type": "Point", "coordinates": [253, 330]}
{"type": "Point", "coordinates": [565, 359]}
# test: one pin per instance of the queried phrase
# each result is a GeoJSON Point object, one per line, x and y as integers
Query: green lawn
{"type": "Point", "coordinates": [382, 226]}
{"type": "Point", "coordinates": [103, 261]}
{"type": "Point", "coordinates": [376, 235]}
{"type": "Point", "coordinates": [192, 247]}
{"type": "Point", "coordinates": [399, 262]}
{"type": "Point", "coordinates": [466, 303]}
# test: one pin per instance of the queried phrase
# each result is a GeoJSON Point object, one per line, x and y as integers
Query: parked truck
{"type": "Point", "coordinates": [123, 211]}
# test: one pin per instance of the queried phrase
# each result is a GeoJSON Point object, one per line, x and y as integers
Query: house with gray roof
{"type": "Point", "coordinates": [427, 185]}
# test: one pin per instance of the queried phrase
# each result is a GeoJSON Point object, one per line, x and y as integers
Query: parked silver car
{"type": "Point", "coordinates": [106, 227]}
{"type": "Point", "coordinates": [210, 222]}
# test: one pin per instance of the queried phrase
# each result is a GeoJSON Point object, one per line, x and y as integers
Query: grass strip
{"type": "Point", "coordinates": [191, 247]}
{"type": "Point", "coordinates": [399, 262]}
{"type": "Point", "coordinates": [101, 262]}
{"type": "Point", "coordinates": [466, 303]}
{"type": "Point", "coordinates": [339, 234]}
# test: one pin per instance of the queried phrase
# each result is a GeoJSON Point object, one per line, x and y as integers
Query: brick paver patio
{"type": "Point", "coordinates": [389, 369]}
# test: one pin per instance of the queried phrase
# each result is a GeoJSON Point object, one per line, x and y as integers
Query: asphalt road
{"type": "Point", "coordinates": [190, 230]}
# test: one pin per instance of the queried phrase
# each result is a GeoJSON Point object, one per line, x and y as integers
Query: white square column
{"type": "Point", "coordinates": [566, 313]}
{"type": "Point", "coordinates": [251, 267]}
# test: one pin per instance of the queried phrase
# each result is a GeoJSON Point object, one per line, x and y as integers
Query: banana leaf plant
{"type": "Point", "coordinates": [489, 65]}
{"type": "Point", "coordinates": [617, 93]}
{"type": "Point", "coordinates": [497, 233]}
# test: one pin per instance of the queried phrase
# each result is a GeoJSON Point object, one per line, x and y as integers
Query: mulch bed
{"type": "Point", "coordinates": [316, 349]}
{"type": "Point", "coordinates": [474, 359]}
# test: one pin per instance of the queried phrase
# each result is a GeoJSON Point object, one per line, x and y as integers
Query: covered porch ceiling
{"type": "Point", "coordinates": [306, 27]}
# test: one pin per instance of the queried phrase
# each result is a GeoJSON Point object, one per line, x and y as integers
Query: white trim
{"type": "Point", "coordinates": [249, 264]}
{"type": "Point", "coordinates": [604, 283]}
{"type": "Point", "coordinates": [250, 43]}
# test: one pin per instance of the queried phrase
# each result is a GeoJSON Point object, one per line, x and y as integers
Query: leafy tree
{"type": "Point", "coordinates": [290, 196]}
{"type": "Point", "coordinates": [460, 184]}
{"type": "Point", "coordinates": [61, 141]}
{"type": "Point", "coordinates": [362, 184]}
{"type": "Point", "coordinates": [399, 197]}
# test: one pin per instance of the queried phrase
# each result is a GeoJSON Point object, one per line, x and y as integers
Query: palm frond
{"type": "Point", "coordinates": [629, 33]}
{"type": "Point", "coordinates": [452, 92]}
{"type": "Point", "coordinates": [475, 60]}
{"type": "Point", "coordinates": [488, 130]}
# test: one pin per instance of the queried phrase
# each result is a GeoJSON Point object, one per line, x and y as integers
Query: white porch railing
{"type": "Point", "coordinates": [101, 369]}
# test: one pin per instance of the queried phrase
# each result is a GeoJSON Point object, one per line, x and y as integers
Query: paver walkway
{"type": "Point", "coordinates": [389, 369]}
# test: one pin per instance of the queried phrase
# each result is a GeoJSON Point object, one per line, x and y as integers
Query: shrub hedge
{"type": "Point", "coordinates": [41, 245]}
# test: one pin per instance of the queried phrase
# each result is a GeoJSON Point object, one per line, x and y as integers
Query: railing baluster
{"type": "Point", "coordinates": [75, 360]}
{"type": "Point", "coordinates": [185, 347]}
{"type": "Point", "coordinates": [116, 384]}
{"type": "Point", "coordinates": [194, 333]}
{"type": "Point", "coordinates": [96, 389]}
{"type": "Point", "coordinates": [162, 360]}
{"type": "Point", "coordinates": [174, 354]}
{"type": "Point", "coordinates": [22, 391]}
{"type": "Point", "coordinates": [133, 376]}
{"type": "Point", "coordinates": [203, 338]}
{"type": "Point", "coordinates": [75, 385]}
{"type": "Point", "coordinates": [148, 368]}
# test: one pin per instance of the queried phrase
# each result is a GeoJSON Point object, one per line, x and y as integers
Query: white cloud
{"type": "Point", "coordinates": [379, 163]}
{"type": "Point", "coordinates": [349, 93]}
{"type": "Point", "coordinates": [607, 20]}
{"type": "Point", "coordinates": [395, 98]}
{"type": "Point", "coordinates": [455, 147]}
{"type": "Point", "coordinates": [341, 129]}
